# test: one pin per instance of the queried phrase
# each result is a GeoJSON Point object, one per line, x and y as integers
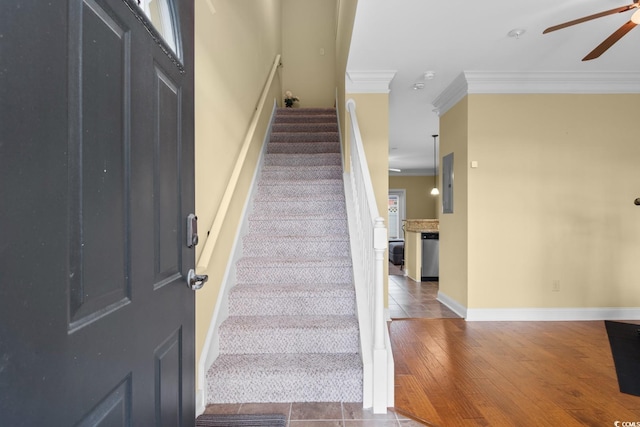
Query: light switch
{"type": "Point", "coordinates": [322, 51]}
{"type": "Point", "coordinates": [474, 163]}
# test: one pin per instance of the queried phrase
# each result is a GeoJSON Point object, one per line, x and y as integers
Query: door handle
{"type": "Point", "coordinates": [637, 201]}
{"type": "Point", "coordinates": [196, 281]}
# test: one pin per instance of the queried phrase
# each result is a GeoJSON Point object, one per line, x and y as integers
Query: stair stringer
{"type": "Point", "coordinates": [363, 312]}
{"type": "Point", "coordinates": [211, 347]}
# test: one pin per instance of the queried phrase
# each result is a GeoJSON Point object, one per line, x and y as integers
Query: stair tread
{"type": "Point", "coordinates": [274, 363]}
{"type": "Point", "coordinates": [279, 262]}
{"type": "Point", "coordinates": [290, 216]}
{"type": "Point", "coordinates": [301, 167]}
{"type": "Point", "coordinates": [296, 194]}
{"type": "Point", "coordinates": [343, 237]}
{"type": "Point", "coordinates": [293, 182]}
{"type": "Point", "coordinates": [302, 155]}
{"type": "Point", "coordinates": [315, 322]}
{"type": "Point", "coordinates": [295, 289]}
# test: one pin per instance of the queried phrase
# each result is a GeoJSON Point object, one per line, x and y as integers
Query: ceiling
{"type": "Point", "coordinates": [412, 37]}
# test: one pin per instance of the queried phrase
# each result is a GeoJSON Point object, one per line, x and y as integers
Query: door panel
{"type": "Point", "coordinates": [112, 410]}
{"type": "Point", "coordinates": [99, 164]}
{"type": "Point", "coordinates": [169, 373]}
{"type": "Point", "coordinates": [167, 176]}
{"type": "Point", "coordinates": [96, 182]}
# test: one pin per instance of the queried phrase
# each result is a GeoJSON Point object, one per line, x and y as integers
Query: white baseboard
{"type": "Point", "coordinates": [454, 305]}
{"type": "Point", "coordinates": [553, 314]}
{"type": "Point", "coordinates": [533, 314]}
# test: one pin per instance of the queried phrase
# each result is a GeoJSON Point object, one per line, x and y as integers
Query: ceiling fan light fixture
{"type": "Point", "coordinates": [635, 18]}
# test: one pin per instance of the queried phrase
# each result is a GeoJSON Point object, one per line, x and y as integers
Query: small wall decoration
{"type": "Point", "coordinates": [289, 99]}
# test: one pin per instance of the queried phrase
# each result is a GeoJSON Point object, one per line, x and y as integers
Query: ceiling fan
{"type": "Point", "coordinates": [609, 41]}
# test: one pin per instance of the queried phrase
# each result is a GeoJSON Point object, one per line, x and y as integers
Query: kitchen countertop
{"type": "Point", "coordinates": [421, 225]}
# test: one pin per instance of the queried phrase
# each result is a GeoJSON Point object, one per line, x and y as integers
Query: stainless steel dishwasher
{"type": "Point", "coordinates": [430, 257]}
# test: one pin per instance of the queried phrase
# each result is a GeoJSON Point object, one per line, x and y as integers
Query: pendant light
{"type": "Point", "coordinates": [434, 190]}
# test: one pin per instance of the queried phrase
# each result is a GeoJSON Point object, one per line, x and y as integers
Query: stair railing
{"type": "Point", "coordinates": [368, 242]}
{"type": "Point", "coordinates": [223, 208]}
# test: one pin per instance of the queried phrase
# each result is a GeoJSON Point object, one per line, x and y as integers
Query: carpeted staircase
{"type": "Point", "coordinates": [292, 333]}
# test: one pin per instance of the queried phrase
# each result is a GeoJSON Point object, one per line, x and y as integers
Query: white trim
{"type": "Point", "coordinates": [553, 314]}
{"type": "Point", "coordinates": [369, 81]}
{"type": "Point", "coordinates": [454, 305]}
{"type": "Point", "coordinates": [479, 82]}
{"type": "Point", "coordinates": [453, 94]}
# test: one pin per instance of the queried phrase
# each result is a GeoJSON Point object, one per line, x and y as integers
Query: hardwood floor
{"type": "Point", "coordinates": [450, 372]}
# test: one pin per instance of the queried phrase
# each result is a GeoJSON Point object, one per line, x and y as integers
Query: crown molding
{"type": "Point", "coordinates": [369, 81]}
{"type": "Point", "coordinates": [483, 82]}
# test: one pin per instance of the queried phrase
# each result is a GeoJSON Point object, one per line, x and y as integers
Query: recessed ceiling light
{"type": "Point", "coordinates": [418, 86]}
{"type": "Point", "coordinates": [517, 32]}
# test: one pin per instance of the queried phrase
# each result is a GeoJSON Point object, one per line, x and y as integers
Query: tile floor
{"type": "Point", "coordinates": [408, 298]}
{"type": "Point", "coordinates": [328, 414]}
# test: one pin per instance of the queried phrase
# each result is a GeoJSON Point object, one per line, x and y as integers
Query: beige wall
{"type": "Point", "coordinates": [419, 201]}
{"type": "Point", "coordinates": [308, 51]}
{"type": "Point", "coordinates": [551, 200]}
{"type": "Point", "coordinates": [413, 255]}
{"type": "Point", "coordinates": [235, 48]}
{"type": "Point", "coordinates": [453, 227]}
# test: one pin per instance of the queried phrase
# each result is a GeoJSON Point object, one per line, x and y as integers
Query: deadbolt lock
{"type": "Point", "coordinates": [192, 230]}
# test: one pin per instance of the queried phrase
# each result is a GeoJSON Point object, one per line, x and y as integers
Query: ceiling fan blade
{"type": "Point", "coordinates": [589, 18]}
{"type": "Point", "coordinates": [617, 35]}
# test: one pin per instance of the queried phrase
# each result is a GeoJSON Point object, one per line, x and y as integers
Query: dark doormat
{"type": "Point", "coordinates": [624, 339]}
{"type": "Point", "coordinates": [237, 420]}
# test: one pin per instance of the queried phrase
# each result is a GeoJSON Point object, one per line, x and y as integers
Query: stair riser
{"type": "Point", "coordinates": [275, 173]}
{"type": "Point", "coordinates": [294, 249]}
{"type": "Point", "coordinates": [334, 188]}
{"type": "Point", "coordinates": [303, 147]}
{"type": "Point", "coordinates": [298, 228]}
{"type": "Point", "coordinates": [294, 275]}
{"type": "Point", "coordinates": [341, 386]}
{"type": "Point", "coordinates": [315, 111]}
{"type": "Point", "coordinates": [308, 340]}
{"type": "Point", "coordinates": [305, 118]}
{"type": "Point", "coordinates": [307, 160]}
{"type": "Point", "coordinates": [296, 191]}
{"type": "Point", "coordinates": [335, 183]}
{"type": "Point", "coordinates": [295, 306]}
{"type": "Point", "coordinates": [278, 207]}
{"type": "Point", "coordinates": [280, 203]}
{"type": "Point", "coordinates": [305, 137]}
{"type": "Point", "coordinates": [304, 127]}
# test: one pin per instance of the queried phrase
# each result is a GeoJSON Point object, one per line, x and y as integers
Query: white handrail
{"type": "Point", "coordinates": [369, 241]}
{"type": "Point", "coordinates": [218, 220]}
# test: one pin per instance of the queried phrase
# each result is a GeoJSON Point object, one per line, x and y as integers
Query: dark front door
{"type": "Point", "coordinates": [96, 182]}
